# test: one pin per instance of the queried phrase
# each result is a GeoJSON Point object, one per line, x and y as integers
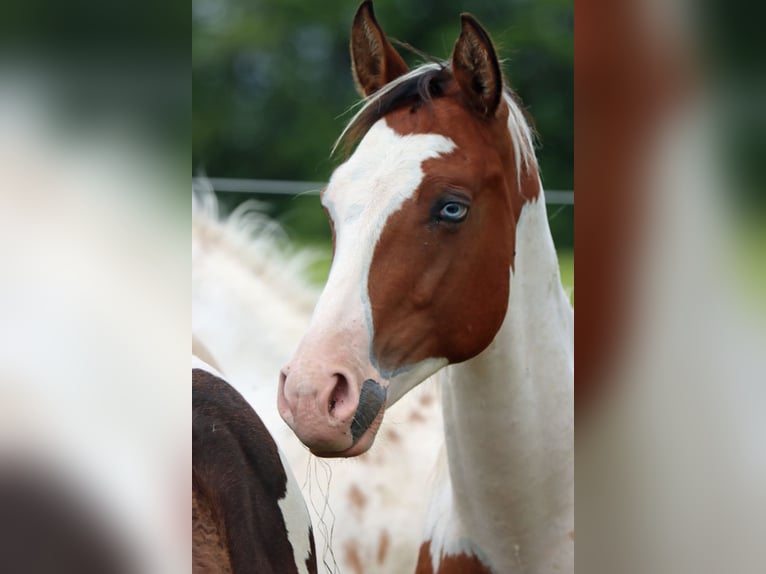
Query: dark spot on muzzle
{"type": "Point", "coordinates": [371, 399]}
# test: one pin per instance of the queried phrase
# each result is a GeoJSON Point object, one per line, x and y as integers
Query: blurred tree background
{"type": "Point", "coordinates": [272, 87]}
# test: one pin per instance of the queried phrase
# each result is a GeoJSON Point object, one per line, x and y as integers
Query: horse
{"type": "Point", "coordinates": [444, 266]}
{"type": "Point", "coordinates": [251, 302]}
{"type": "Point", "coordinates": [248, 514]}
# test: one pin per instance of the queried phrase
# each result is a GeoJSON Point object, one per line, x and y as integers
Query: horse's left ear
{"type": "Point", "coordinates": [476, 67]}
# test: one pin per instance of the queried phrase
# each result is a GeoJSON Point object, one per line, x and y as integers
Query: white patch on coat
{"type": "Point", "coordinates": [296, 517]}
{"type": "Point", "coordinates": [444, 528]}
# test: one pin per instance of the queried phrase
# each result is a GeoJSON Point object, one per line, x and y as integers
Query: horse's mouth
{"type": "Point", "coordinates": [327, 433]}
{"type": "Point", "coordinates": [372, 398]}
{"type": "Point", "coordinates": [362, 443]}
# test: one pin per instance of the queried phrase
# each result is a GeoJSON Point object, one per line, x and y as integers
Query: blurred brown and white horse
{"type": "Point", "coordinates": [444, 263]}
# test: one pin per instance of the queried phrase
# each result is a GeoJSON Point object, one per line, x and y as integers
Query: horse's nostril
{"type": "Point", "coordinates": [339, 393]}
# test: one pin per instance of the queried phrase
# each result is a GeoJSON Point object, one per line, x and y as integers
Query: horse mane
{"type": "Point", "coordinates": [422, 85]}
{"type": "Point", "coordinates": [255, 241]}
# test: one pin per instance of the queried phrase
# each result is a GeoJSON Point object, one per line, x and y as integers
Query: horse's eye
{"type": "Point", "coordinates": [453, 212]}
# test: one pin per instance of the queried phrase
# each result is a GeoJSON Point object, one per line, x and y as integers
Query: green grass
{"type": "Point", "coordinates": [566, 266]}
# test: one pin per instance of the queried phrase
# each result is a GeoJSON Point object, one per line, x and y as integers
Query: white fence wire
{"type": "Point", "coordinates": [285, 187]}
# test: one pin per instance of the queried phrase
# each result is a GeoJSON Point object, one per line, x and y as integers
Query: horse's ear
{"type": "Point", "coordinates": [476, 67]}
{"type": "Point", "coordinates": [374, 61]}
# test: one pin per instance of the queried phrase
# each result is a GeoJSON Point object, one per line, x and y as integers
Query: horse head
{"type": "Point", "coordinates": [423, 214]}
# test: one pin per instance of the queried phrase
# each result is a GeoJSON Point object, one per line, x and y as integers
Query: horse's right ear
{"type": "Point", "coordinates": [476, 67]}
{"type": "Point", "coordinates": [374, 61]}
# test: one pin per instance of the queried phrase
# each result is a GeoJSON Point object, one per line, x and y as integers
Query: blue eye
{"type": "Point", "coordinates": [453, 212]}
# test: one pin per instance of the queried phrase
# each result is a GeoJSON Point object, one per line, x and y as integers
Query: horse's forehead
{"type": "Point", "coordinates": [384, 171]}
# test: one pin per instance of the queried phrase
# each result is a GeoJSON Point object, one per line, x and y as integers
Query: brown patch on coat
{"type": "Point", "coordinates": [393, 436]}
{"type": "Point", "coordinates": [416, 417]}
{"type": "Point", "coordinates": [210, 554]}
{"type": "Point", "coordinates": [571, 535]}
{"type": "Point", "coordinates": [353, 559]}
{"type": "Point", "coordinates": [238, 480]}
{"type": "Point", "coordinates": [427, 399]}
{"type": "Point", "coordinates": [357, 497]}
{"type": "Point", "coordinates": [385, 542]}
{"type": "Point", "coordinates": [450, 563]}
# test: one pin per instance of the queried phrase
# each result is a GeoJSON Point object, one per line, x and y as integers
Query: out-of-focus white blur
{"type": "Point", "coordinates": [94, 317]}
{"type": "Point", "coordinates": [671, 452]}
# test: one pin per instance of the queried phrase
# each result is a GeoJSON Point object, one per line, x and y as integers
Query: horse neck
{"type": "Point", "coordinates": [508, 416]}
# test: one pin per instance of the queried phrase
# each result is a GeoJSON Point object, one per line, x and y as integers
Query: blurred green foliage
{"type": "Point", "coordinates": [732, 49]}
{"type": "Point", "coordinates": [272, 82]}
